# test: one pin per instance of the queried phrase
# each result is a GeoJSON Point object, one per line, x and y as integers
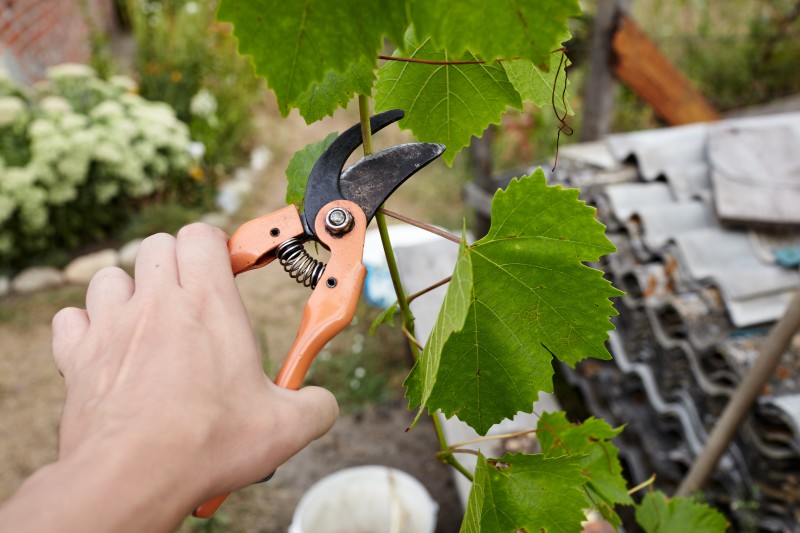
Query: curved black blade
{"type": "Point", "coordinates": [323, 182]}
{"type": "Point", "coordinates": [370, 181]}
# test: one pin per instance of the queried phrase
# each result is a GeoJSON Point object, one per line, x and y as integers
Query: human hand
{"type": "Point", "coordinates": [166, 369]}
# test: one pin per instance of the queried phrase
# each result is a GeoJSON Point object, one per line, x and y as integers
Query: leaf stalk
{"type": "Point", "coordinates": [426, 290]}
{"type": "Point", "coordinates": [420, 225]}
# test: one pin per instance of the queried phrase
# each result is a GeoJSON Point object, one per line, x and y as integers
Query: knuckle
{"type": "Point", "coordinates": [63, 318]}
{"type": "Point", "coordinates": [156, 240]}
{"type": "Point", "coordinates": [108, 272]}
{"type": "Point", "coordinates": [200, 229]}
{"type": "Point", "coordinates": [106, 275]}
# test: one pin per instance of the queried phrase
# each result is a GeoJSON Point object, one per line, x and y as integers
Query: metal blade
{"type": "Point", "coordinates": [323, 182]}
{"type": "Point", "coordinates": [370, 181]}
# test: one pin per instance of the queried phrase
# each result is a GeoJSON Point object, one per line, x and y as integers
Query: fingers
{"type": "Point", "coordinates": [203, 258]}
{"type": "Point", "coordinates": [156, 266]}
{"type": "Point", "coordinates": [69, 328]}
{"type": "Point", "coordinates": [110, 288]}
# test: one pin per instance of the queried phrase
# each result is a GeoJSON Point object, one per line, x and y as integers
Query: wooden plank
{"type": "Point", "coordinates": [639, 64]}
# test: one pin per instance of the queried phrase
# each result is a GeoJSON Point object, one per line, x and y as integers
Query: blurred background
{"type": "Point", "coordinates": [121, 118]}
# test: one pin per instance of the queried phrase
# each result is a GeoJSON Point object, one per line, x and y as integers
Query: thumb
{"type": "Point", "coordinates": [315, 412]}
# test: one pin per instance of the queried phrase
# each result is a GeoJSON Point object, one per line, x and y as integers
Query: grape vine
{"type": "Point", "coordinates": [520, 297]}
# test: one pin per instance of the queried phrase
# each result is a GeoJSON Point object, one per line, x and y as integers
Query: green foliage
{"type": "Point", "coordinates": [186, 60]}
{"type": "Point", "coordinates": [599, 459]}
{"type": "Point", "coordinates": [505, 29]}
{"type": "Point", "coordinates": [659, 514]}
{"type": "Point", "coordinates": [336, 90]}
{"type": "Point", "coordinates": [431, 95]}
{"type": "Point", "coordinates": [526, 492]}
{"type": "Point", "coordinates": [76, 157]}
{"type": "Point", "coordinates": [315, 57]}
{"type": "Point", "coordinates": [578, 469]}
{"type": "Point", "coordinates": [385, 317]}
{"type": "Point", "coordinates": [300, 167]}
{"type": "Point", "coordinates": [537, 86]}
{"type": "Point", "coordinates": [296, 44]}
{"type": "Point", "coordinates": [519, 297]}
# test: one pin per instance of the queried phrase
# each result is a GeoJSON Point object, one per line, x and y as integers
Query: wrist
{"type": "Point", "coordinates": [112, 484]}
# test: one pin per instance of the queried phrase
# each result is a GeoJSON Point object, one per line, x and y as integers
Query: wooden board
{"type": "Point", "coordinates": [639, 64]}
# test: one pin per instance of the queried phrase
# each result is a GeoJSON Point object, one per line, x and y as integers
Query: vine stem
{"type": "Point", "coordinates": [426, 290]}
{"type": "Point", "coordinates": [435, 62]}
{"type": "Point", "coordinates": [642, 485]}
{"type": "Point", "coordinates": [492, 437]}
{"type": "Point", "coordinates": [420, 225]}
{"type": "Point", "coordinates": [501, 436]}
{"type": "Point", "coordinates": [402, 301]}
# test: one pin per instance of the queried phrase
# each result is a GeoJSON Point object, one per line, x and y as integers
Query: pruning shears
{"type": "Point", "coordinates": [337, 208]}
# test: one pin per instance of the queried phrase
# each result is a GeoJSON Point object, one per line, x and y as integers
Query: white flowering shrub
{"type": "Point", "coordinates": [185, 58]}
{"type": "Point", "coordinates": [77, 155]}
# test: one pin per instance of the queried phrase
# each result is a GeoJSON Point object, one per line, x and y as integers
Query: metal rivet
{"type": "Point", "coordinates": [275, 232]}
{"type": "Point", "coordinates": [330, 282]}
{"type": "Point", "coordinates": [338, 220]}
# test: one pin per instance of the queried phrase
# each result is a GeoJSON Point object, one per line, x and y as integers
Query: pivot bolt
{"type": "Point", "coordinates": [339, 220]}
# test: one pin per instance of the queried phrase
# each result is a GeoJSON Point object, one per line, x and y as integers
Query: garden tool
{"type": "Point", "coordinates": [337, 208]}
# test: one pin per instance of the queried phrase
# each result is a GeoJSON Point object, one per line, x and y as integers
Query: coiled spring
{"type": "Point", "coordinates": [303, 268]}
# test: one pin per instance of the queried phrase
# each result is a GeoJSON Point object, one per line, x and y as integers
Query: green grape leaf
{"type": "Point", "coordinates": [452, 316]}
{"type": "Point", "coordinates": [539, 86]}
{"type": "Point", "coordinates": [599, 460]}
{"type": "Point", "coordinates": [658, 514]}
{"type": "Point", "coordinates": [336, 90]}
{"type": "Point", "coordinates": [300, 167]}
{"type": "Point", "coordinates": [295, 44]}
{"type": "Point", "coordinates": [525, 493]}
{"type": "Point", "coordinates": [445, 104]}
{"type": "Point", "coordinates": [528, 29]}
{"type": "Point", "coordinates": [519, 297]}
{"type": "Point", "coordinates": [385, 317]}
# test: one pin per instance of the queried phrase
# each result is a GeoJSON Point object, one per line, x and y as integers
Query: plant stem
{"type": "Point", "coordinates": [402, 301]}
{"type": "Point", "coordinates": [642, 485]}
{"type": "Point", "coordinates": [366, 131]}
{"type": "Point", "coordinates": [420, 225]}
{"type": "Point", "coordinates": [411, 338]}
{"type": "Point", "coordinates": [466, 451]}
{"type": "Point", "coordinates": [435, 62]}
{"type": "Point", "coordinates": [453, 447]}
{"type": "Point", "coordinates": [426, 290]}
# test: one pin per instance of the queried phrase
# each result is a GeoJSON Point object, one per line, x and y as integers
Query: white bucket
{"type": "Point", "coordinates": [366, 499]}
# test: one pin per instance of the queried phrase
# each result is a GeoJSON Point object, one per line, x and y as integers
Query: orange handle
{"type": "Point", "coordinates": [331, 306]}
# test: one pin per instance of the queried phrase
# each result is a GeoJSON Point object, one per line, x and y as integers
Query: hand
{"type": "Point", "coordinates": [166, 369]}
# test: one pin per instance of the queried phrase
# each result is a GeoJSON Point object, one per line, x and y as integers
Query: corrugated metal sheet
{"type": "Point", "coordinates": [701, 296]}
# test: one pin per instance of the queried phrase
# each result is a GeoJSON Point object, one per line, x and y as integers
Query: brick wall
{"type": "Point", "coordinates": [36, 34]}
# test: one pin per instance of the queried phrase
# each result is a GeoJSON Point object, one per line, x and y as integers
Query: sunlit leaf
{"type": "Point", "coordinates": [294, 44]}
{"type": "Point", "coordinates": [525, 493]}
{"type": "Point", "coordinates": [659, 514]}
{"type": "Point", "coordinates": [508, 29]}
{"type": "Point", "coordinates": [519, 297]}
{"type": "Point", "coordinates": [300, 167]}
{"type": "Point", "coordinates": [445, 104]}
{"type": "Point", "coordinates": [598, 457]}
{"type": "Point", "coordinates": [335, 91]}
